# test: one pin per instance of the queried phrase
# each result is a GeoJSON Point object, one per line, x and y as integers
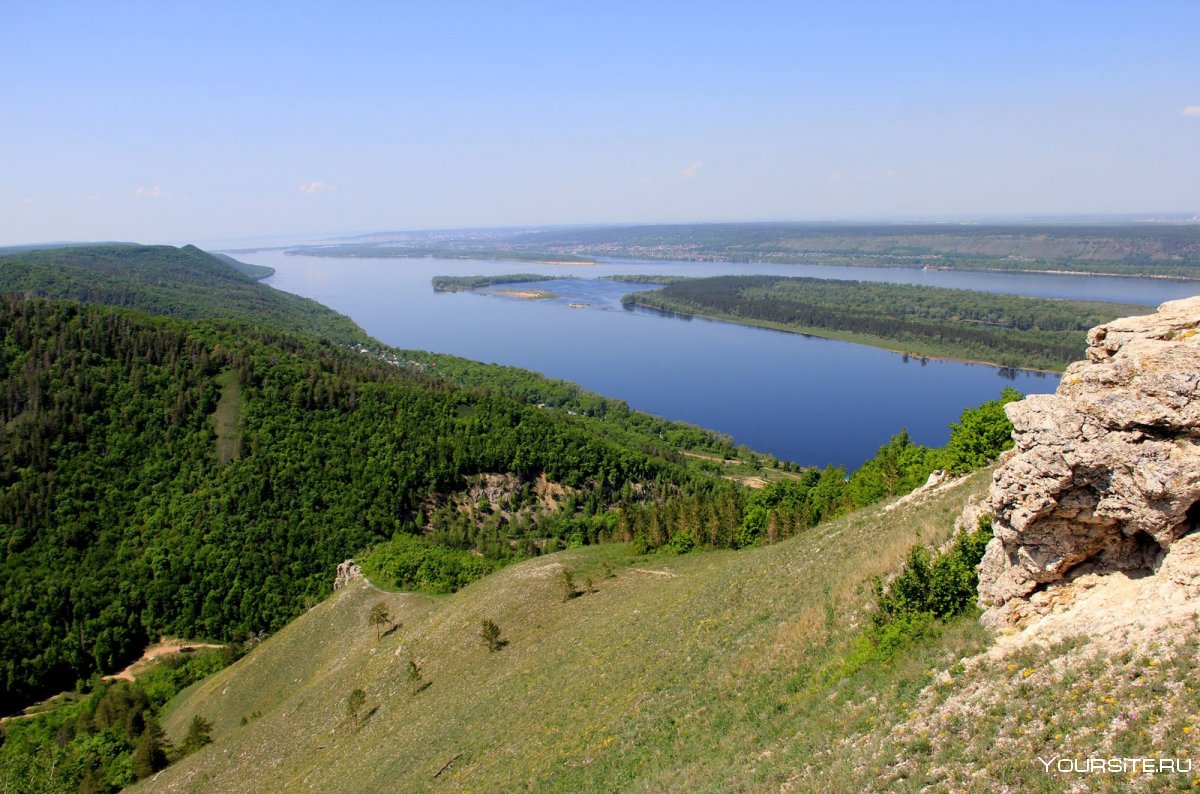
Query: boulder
{"type": "Point", "coordinates": [1105, 473]}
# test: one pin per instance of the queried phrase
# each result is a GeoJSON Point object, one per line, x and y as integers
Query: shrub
{"type": "Point", "coordinates": [941, 586]}
{"type": "Point", "coordinates": [414, 677]}
{"type": "Point", "coordinates": [979, 435]}
{"type": "Point", "coordinates": [567, 585]}
{"type": "Point", "coordinates": [354, 704]}
{"type": "Point", "coordinates": [490, 634]}
{"type": "Point", "coordinates": [379, 617]}
{"type": "Point", "coordinates": [413, 563]}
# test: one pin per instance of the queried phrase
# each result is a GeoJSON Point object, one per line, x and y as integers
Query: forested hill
{"type": "Point", "coordinates": [256, 272]}
{"type": "Point", "coordinates": [178, 282]}
{"type": "Point", "coordinates": [118, 520]}
{"type": "Point", "coordinates": [186, 282]}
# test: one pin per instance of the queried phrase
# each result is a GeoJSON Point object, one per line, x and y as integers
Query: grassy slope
{"type": "Point", "coordinates": [225, 417]}
{"type": "Point", "coordinates": [715, 676]}
{"type": "Point", "coordinates": [723, 671]}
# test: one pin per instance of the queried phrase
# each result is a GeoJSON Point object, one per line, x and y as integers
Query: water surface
{"type": "Point", "coordinates": [811, 400]}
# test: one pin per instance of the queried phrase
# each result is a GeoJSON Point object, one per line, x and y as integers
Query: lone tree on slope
{"type": "Point", "coordinates": [379, 618]}
{"type": "Point", "coordinates": [354, 703]}
{"type": "Point", "coordinates": [490, 634]}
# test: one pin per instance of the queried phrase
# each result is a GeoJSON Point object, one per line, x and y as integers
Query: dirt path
{"type": "Point", "coordinates": [164, 647]}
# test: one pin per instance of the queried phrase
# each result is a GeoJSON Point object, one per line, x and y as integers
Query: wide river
{"type": "Point", "coordinates": [811, 400]}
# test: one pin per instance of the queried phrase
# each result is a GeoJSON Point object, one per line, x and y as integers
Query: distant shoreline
{"type": "Point", "coordinates": [360, 253]}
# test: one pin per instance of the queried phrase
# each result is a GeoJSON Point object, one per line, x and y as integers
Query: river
{"type": "Point", "coordinates": [814, 401]}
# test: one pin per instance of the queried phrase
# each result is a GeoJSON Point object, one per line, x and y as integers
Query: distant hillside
{"type": "Point", "coordinates": [256, 272]}
{"type": "Point", "coordinates": [177, 282]}
{"type": "Point", "coordinates": [1166, 249]}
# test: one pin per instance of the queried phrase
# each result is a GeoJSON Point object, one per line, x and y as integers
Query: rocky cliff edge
{"type": "Point", "coordinates": [1096, 508]}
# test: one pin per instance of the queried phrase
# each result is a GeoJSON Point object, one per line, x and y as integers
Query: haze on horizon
{"type": "Point", "coordinates": [153, 123]}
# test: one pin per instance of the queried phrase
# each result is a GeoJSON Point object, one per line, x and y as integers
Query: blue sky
{"type": "Point", "coordinates": [165, 122]}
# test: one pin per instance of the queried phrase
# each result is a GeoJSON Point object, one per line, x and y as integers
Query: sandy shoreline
{"type": "Point", "coordinates": [524, 294]}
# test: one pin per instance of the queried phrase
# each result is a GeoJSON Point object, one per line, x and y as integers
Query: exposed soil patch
{"type": "Point", "coordinates": [165, 646]}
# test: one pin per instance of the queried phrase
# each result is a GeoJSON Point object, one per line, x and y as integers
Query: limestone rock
{"type": "Point", "coordinates": [1105, 473]}
{"type": "Point", "coordinates": [347, 573]}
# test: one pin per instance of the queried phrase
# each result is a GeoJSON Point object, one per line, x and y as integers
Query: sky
{"type": "Point", "coordinates": [188, 122]}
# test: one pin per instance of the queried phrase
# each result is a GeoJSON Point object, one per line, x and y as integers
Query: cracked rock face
{"type": "Point", "coordinates": [1105, 473]}
{"type": "Point", "coordinates": [348, 572]}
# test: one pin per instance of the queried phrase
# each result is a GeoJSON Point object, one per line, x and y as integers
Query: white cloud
{"type": "Point", "coordinates": [692, 171]}
{"type": "Point", "coordinates": [152, 192]}
{"type": "Point", "coordinates": [315, 186]}
{"type": "Point", "coordinates": [1192, 110]}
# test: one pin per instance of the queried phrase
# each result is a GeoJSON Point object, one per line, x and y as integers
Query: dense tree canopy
{"type": "Point", "coordinates": [177, 282]}
{"type": "Point", "coordinates": [1004, 329]}
{"type": "Point", "coordinates": [117, 522]}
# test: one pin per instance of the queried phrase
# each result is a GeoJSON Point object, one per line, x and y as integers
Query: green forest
{"type": "Point", "coordinates": [107, 735]}
{"type": "Point", "coordinates": [119, 523]}
{"type": "Point", "coordinates": [1007, 330]}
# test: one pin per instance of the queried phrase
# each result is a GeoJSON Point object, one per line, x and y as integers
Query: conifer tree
{"type": "Point", "coordinates": [199, 734]}
{"type": "Point", "coordinates": [379, 617]}
{"type": "Point", "coordinates": [354, 703]}
{"type": "Point", "coordinates": [490, 634]}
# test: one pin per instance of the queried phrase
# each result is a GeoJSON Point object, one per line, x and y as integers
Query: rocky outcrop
{"type": "Point", "coordinates": [1105, 473]}
{"type": "Point", "coordinates": [347, 573]}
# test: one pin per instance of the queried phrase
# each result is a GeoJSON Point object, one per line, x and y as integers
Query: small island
{"type": "Point", "coordinates": [525, 294]}
{"type": "Point", "coordinates": [468, 283]}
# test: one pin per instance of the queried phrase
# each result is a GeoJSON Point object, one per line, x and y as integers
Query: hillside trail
{"type": "Point", "coordinates": [164, 647]}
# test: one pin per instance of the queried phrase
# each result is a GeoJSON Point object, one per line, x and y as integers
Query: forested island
{"type": "Point", "coordinates": [1007, 330]}
{"type": "Point", "coordinates": [468, 283]}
